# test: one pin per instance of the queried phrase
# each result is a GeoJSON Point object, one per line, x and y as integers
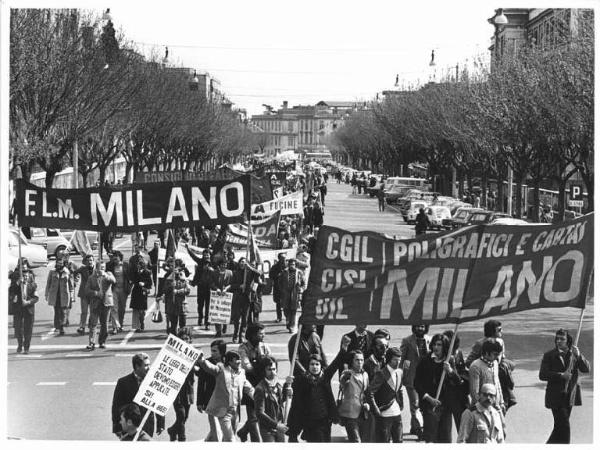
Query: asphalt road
{"type": "Point", "coordinates": [60, 391]}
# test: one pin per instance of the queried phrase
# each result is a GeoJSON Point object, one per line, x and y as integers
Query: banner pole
{"type": "Point", "coordinates": [292, 365]}
{"type": "Point", "coordinates": [439, 388]}
{"type": "Point", "coordinates": [142, 423]}
{"type": "Point", "coordinates": [572, 360]}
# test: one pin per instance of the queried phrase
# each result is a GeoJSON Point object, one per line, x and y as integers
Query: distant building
{"type": "Point", "coordinates": [300, 128]}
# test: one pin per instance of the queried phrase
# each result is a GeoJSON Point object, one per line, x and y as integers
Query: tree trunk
{"type": "Point", "coordinates": [128, 172]}
{"type": "Point", "coordinates": [484, 183]}
{"type": "Point", "coordinates": [517, 206]}
{"type": "Point", "coordinates": [588, 179]}
{"type": "Point", "coordinates": [535, 216]}
{"type": "Point", "coordinates": [562, 185]}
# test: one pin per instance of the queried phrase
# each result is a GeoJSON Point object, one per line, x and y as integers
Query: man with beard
{"type": "Point", "coordinates": [482, 423]}
{"type": "Point", "coordinates": [414, 348]}
{"type": "Point", "coordinates": [125, 392]}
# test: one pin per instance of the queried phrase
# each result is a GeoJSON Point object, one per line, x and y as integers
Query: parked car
{"type": "Point", "coordinates": [52, 238]}
{"type": "Point", "coordinates": [483, 217]}
{"type": "Point", "coordinates": [460, 217]}
{"type": "Point", "coordinates": [413, 210]}
{"type": "Point", "coordinates": [415, 194]}
{"type": "Point", "coordinates": [395, 193]}
{"type": "Point", "coordinates": [36, 254]}
{"type": "Point", "coordinates": [436, 215]}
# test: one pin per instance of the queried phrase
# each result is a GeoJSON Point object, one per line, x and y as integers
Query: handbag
{"type": "Point", "coordinates": [157, 315]}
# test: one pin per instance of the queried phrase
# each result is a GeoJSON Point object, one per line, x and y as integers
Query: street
{"type": "Point", "coordinates": [60, 391]}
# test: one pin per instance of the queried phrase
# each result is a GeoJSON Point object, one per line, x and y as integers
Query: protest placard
{"type": "Point", "coordinates": [219, 310]}
{"type": "Point", "coordinates": [166, 375]}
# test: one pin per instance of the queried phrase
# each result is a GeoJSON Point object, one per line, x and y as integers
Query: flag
{"type": "Point", "coordinates": [80, 241]}
{"type": "Point", "coordinates": [254, 258]}
{"type": "Point", "coordinates": [171, 243]}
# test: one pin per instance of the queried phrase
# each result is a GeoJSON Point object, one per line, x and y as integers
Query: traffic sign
{"type": "Point", "coordinates": [576, 203]}
{"type": "Point", "coordinates": [576, 192]}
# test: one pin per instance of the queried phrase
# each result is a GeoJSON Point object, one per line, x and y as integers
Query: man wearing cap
{"type": "Point", "coordinates": [482, 423]}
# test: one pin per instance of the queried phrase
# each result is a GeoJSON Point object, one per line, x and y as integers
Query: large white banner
{"type": "Point", "coordinates": [166, 375]}
{"type": "Point", "coordinates": [288, 205]}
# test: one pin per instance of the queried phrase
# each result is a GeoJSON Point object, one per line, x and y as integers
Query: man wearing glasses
{"type": "Point", "coordinates": [482, 423]}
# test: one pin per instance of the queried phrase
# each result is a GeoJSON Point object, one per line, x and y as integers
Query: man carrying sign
{"type": "Point", "coordinates": [125, 391]}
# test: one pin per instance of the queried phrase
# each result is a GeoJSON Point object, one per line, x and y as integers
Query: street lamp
{"type": "Point", "coordinates": [500, 18]}
{"type": "Point", "coordinates": [106, 16]}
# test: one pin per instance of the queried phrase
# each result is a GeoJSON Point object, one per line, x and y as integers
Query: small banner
{"type": "Point", "coordinates": [288, 205]}
{"type": "Point", "coordinates": [166, 375]}
{"type": "Point", "coordinates": [219, 310]}
{"type": "Point", "coordinates": [458, 276]}
{"type": "Point", "coordinates": [265, 232]}
{"type": "Point", "coordinates": [132, 208]}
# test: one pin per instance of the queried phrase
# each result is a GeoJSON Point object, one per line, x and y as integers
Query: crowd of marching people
{"type": "Point", "coordinates": [444, 386]}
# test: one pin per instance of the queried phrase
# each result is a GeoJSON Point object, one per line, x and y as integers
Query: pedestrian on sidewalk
{"type": "Point", "coordinates": [381, 197]}
{"type": "Point", "coordinates": [22, 308]}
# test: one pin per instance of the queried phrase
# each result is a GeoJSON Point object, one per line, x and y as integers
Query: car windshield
{"type": "Point", "coordinates": [478, 217]}
{"type": "Point", "coordinates": [37, 232]}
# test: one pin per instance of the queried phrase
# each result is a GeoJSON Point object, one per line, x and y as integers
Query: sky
{"type": "Point", "coordinates": [270, 51]}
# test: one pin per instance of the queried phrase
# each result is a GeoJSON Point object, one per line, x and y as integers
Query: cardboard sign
{"type": "Point", "coordinates": [219, 310]}
{"type": "Point", "coordinates": [166, 375]}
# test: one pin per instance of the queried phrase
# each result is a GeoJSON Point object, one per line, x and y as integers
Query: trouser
{"type": "Point", "coordinates": [290, 317]}
{"type": "Point", "coordinates": [413, 402]}
{"type": "Point", "coordinates": [317, 431]}
{"type": "Point", "coordinates": [561, 434]}
{"type": "Point", "coordinates": [59, 317]}
{"type": "Point", "coordinates": [175, 321]}
{"type": "Point", "coordinates": [457, 410]}
{"type": "Point", "coordinates": [214, 434]}
{"type": "Point", "coordinates": [228, 425]}
{"type": "Point", "coordinates": [114, 317]}
{"type": "Point", "coordinates": [181, 415]}
{"type": "Point", "coordinates": [120, 298]}
{"type": "Point", "coordinates": [99, 313]}
{"type": "Point", "coordinates": [251, 425]}
{"type": "Point", "coordinates": [237, 329]}
{"type": "Point", "coordinates": [387, 428]}
{"type": "Point", "coordinates": [23, 323]}
{"type": "Point", "coordinates": [381, 204]}
{"type": "Point", "coordinates": [271, 435]}
{"type": "Point", "coordinates": [277, 301]}
{"type": "Point", "coordinates": [83, 317]}
{"type": "Point", "coordinates": [203, 304]}
{"type": "Point", "coordinates": [359, 429]}
{"type": "Point", "coordinates": [437, 428]}
{"type": "Point", "coordinates": [220, 329]}
{"type": "Point", "coordinates": [137, 319]}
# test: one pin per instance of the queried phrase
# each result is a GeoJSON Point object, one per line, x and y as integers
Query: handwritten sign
{"type": "Point", "coordinates": [219, 310]}
{"type": "Point", "coordinates": [166, 375]}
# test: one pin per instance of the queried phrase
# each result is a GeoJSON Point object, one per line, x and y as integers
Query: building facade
{"type": "Point", "coordinates": [300, 128]}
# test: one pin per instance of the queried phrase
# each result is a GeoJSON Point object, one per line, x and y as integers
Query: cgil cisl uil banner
{"type": "Point", "coordinates": [458, 276]}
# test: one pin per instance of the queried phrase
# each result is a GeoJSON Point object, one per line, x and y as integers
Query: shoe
{"type": "Point", "coordinates": [279, 319]}
{"type": "Point", "coordinates": [172, 434]}
{"type": "Point", "coordinates": [206, 326]}
{"type": "Point", "coordinates": [81, 330]}
{"type": "Point", "coordinates": [61, 333]}
{"type": "Point", "coordinates": [102, 346]}
{"type": "Point", "coordinates": [218, 334]}
{"type": "Point", "coordinates": [114, 331]}
{"type": "Point", "coordinates": [243, 435]}
{"type": "Point", "coordinates": [19, 349]}
{"type": "Point", "coordinates": [91, 346]}
{"type": "Point", "coordinates": [120, 329]}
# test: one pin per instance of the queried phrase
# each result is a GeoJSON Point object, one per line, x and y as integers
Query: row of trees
{"type": "Point", "coordinates": [73, 80]}
{"type": "Point", "coordinates": [532, 112]}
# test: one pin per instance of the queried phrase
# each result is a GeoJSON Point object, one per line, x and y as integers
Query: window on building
{"type": "Point", "coordinates": [321, 124]}
{"type": "Point", "coordinates": [290, 126]}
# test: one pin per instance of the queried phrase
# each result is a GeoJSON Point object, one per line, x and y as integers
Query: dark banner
{"type": "Point", "coordinates": [265, 232]}
{"type": "Point", "coordinates": [134, 207]}
{"type": "Point", "coordinates": [458, 276]}
{"type": "Point", "coordinates": [260, 186]}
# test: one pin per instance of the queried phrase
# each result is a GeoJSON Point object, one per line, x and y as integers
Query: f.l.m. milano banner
{"type": "Point", "coordinates": [134, 207]}
{"type": "Point", "coordinates": [458, 276]}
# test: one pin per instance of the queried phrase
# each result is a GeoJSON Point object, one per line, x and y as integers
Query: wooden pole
{"type": "Point", "coordinates": [288, 401]}
{"type": "Point", "coordinates": [139, 430]}
{"type": "Point", "coordinates": [439, 389]}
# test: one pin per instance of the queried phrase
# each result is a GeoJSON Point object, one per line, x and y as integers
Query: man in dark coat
{"type": "Point", "coordinates": [274, 273]}
{"type": "Point", "coordinates": [125, 392]}
{"type": "Point", "coordinates": [203, 278]}
{"type": "Point", "coordinates": [560, 368]}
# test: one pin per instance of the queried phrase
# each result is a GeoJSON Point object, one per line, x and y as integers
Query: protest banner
{"type": "Point", "coordinates": [288, 204]}
{"type": "Point", "coordinates": [166, 375]}
{"type": "Point", "coordinates": [219, 309]}
{"type": "Point", "coordinates": [260, 187]}
{"type": "Point", "coordinates": [265, 232]}
{"type": "Point", "coordinates": [278, 192]}
{"type": "Point", "coordinates": [458, 276]}
{"type": "Point", "coordinates": [133, 208]}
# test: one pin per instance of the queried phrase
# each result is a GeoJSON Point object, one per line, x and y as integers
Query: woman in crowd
{"type": "Point", "coordinates": [353, 408]}
{"type": "Point", "coordinates": [437, 415]}
{"type": "Point", "coordinates": [269, 402]}
{"type": "Point", "coordinates": [141, 281]}
{"type": "Point", "coordinates": [23, 307]}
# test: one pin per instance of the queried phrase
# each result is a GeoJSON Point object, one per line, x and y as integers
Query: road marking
{"type": "Point", "coordinates": [51, 383]}
{"type": "Point", "coordinates": [104, 383]}
{"type": "Point", "coordinates": [49, 335]}
{"type": "Point", "coordinates": [125, 355]}
{"type": "Point", "coordinates": [132, 332]}
{"type": "Point", "coordinates": [28, 356]}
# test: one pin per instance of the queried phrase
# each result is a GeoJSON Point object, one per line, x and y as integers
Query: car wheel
{"type": "Point", "coordinates": [59, 249]}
